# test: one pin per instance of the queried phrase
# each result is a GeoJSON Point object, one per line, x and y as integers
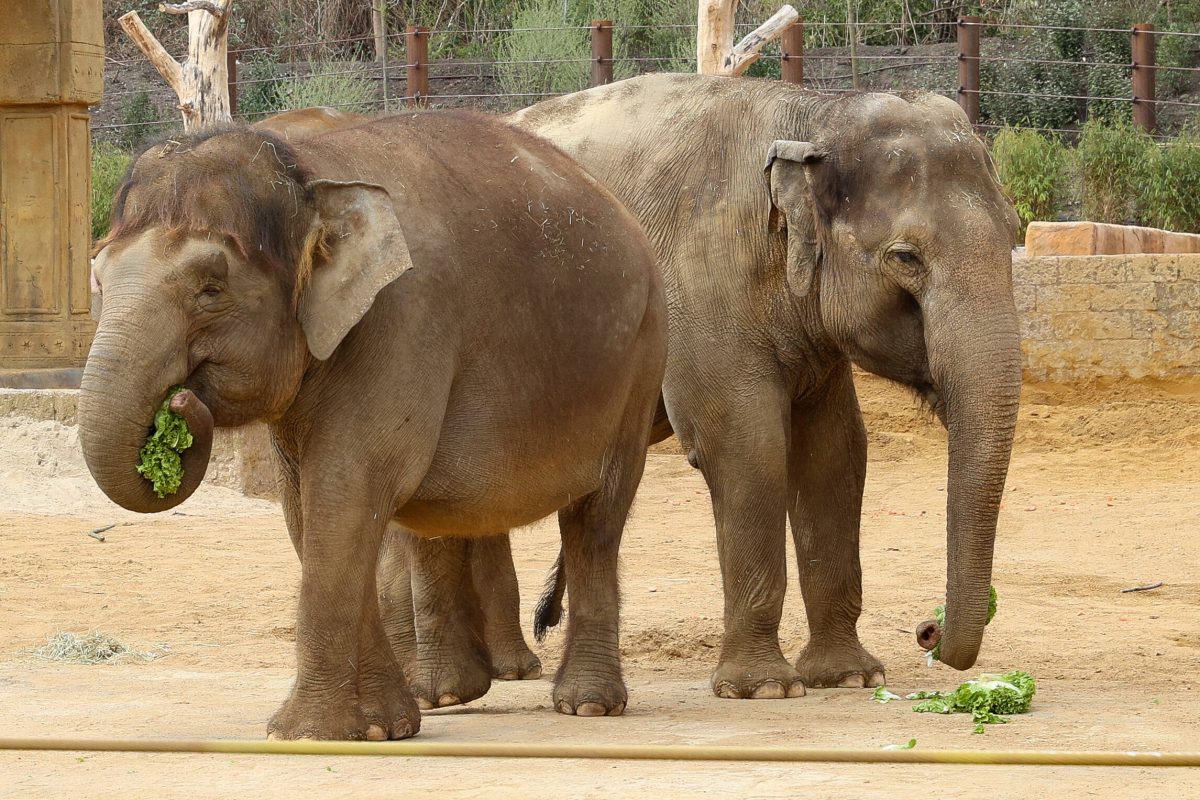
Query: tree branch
{"type": "Point", "coordinates": [155, 53]}
{"type": "Point", "coordinates": [215, 8]}
{"type": "Point", "coordinates": [747, 51]}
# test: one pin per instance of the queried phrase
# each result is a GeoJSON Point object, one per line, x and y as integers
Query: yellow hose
{"type": "Point", "coordinates": [610, 751]}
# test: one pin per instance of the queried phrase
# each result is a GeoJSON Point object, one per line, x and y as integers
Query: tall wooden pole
{"type": "Point", "coordinates": [968, 67]}
{"type": "Point", "coordinates": [1144, 44]}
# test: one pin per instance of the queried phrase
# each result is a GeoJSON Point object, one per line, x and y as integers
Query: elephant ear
{"type": "Point", "coordinates": [354, 248]}
{"type": "Point", "coordinates": [800, 188]}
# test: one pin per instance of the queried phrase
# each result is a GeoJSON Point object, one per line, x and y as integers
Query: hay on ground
{"type": "Point", "coordinates": [89, 648]}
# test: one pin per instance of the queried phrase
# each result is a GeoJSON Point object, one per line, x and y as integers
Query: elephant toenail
{"type": "Point", "coordinates": [769, 690]}
{"type": "Point", "coordinates": [563, 707]}
{"type": "Point", "coordinates": [511, 675]}
{"type": "Point", "coordinates": [796, 689]}
{"type": "Point", "coordinates": [877, 679]}
{"type": "Point", "coordinates": [376, 733]}
{"type": "Point", "coordinates": [851, 682]}
{"type": "Point", "coordinates": [448, 699]}
{"type": "Point", "coordinates": [590, 710]}
{"type": "Point", "coordinates": [617, 710]}
{"type": "Point", "coordinates": [423, 704]}
{"type": "Point", "coordinates": [726, 691]}
{"type": "Point", "coordinates": [533, 673]}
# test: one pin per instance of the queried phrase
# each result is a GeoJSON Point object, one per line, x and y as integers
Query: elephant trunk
{"type": "Point", "coordinates": [975, 359]}
{"type": "Point", "coordinates": [137, 356]}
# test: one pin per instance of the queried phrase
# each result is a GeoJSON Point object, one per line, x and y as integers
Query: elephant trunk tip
{"type": "Point", "coordinates": [929, 634]}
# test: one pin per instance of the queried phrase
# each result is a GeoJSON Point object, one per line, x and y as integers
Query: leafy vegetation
{"type": "Point", "coordinates": [341, 85]}
{"type": "Point", "coordinates": [1032, 167]}
{"type": "Point", "coordinates": [1112, 162]}
{"type": "Point", "coordinates": [985, 699]}
{"type": "Point", "coordinates": [109, 163]}
{"type": "Point", "coordinates": [159, 459]}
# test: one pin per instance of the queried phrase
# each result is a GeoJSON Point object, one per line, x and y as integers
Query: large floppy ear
{"type": "Point", "coordinates": [354, 248]}
{"type": "Point", "coordinates": [794, 189]}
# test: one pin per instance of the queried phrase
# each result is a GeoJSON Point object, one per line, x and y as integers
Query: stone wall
{"type": "Point", "coordinates": [1085, 317]}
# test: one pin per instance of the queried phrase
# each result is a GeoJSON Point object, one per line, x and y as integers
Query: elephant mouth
{"type": "Point", "coordinates": [929, 396]}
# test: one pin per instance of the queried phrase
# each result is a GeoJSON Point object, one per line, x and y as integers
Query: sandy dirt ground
{"type": "Point", "coordinates": [1102, 495]}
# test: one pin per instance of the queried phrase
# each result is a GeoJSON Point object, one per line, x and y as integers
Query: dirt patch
{"type": "Point", "coordinates": [1101, 496]}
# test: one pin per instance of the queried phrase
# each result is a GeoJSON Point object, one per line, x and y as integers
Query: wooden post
{"type": "Point", "coordinates": [379, 29]}
{"type": "Point", "coordinates": [1144, 43]}
{"type": "Point", "coordinates": [968, 67]}
{"type": "Point", "coordinates": [201, 82]}
{"type": "Point", "coordinates": [416, 41]}
{"type": "Point", "coordinates": [716, 54]}
{"type": "Point", "coordinates": [602, 52]}
{"type": "Point", "coordinates": [792, 47]}
{"type": "Point", "coordinates": [231, 70]}
{"type": "Point", "coordinates": [852, 40]}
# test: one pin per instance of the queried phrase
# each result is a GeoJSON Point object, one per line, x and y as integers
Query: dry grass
{"type": "Point", "coordinates": [91, 648]}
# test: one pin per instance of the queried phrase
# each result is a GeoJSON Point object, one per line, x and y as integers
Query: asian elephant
{"type": "Point", "coordinates": [503, 652]}
{"type": "Point", "coordinates": [446, 323]}
{"type": "Point", "coordinates": [800, 234]}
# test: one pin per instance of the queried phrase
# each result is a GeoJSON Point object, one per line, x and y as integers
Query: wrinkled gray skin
{"type": "Point", "coordinates": [453, 354]}
{"type": "Point", "coordinates": [799, 234]}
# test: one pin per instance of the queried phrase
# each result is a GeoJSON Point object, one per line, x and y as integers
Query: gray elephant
{"type": "Point", "coordinates": [800, 234]}
{"type": "Point", "coordinates": [434, 338]}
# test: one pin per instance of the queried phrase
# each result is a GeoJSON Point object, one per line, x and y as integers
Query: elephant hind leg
{"type": "Point", "coordinates": [452, 663]}
{"type": "Point", "coordinates": [495, 583]}
{"type": "Point", "coordinates": [827, 462]}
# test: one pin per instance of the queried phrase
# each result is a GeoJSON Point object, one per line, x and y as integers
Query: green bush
{"type": "Point", "coordinates": [1032, 168]}
{"type": "Point", "coordinates": [342, 85]}
{"type": "Point", "coordinates": [140, 122]}
{"type": "Point", "coordinates": [1170, 194]}
{"type": "Point", "coordinates": [553, 32]}
{"type": "Point", "coordinates": [258, 90]}
{"type": "Point", "coordinates": [109, 163]}
{"type": "Point", "coordinates": [1112, 161]}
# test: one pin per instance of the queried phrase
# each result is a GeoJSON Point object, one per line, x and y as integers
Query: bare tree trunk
{"type": "Point", "coordinates": [716, 54]}
{"type": "Point", "coordinates": [202, 81]}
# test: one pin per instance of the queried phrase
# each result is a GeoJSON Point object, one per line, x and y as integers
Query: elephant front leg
{"type": "Point", "coordinates": [495, 582]}
{"type": "Point", "coordinates": [348, 683]}
{"type": "Point", "coordinates": [827, 465]}
{"type": "Point", "coordinates": [452, 664]}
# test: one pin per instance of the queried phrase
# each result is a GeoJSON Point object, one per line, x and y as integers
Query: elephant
{"type": "Point", "coordinates": [445, 323]}
{"type": "Point", "coordinates": [800, 235]}
{"type": "Point", "coordinates": [503, 653]}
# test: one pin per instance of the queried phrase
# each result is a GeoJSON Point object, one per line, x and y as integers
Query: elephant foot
{"type": "Point", "coordinates": [390, 715]}
{"type": "Point", "coordinates": [450, 679]}
{"type": "Point", "coordinates": [515, 663]}
{"type": "Point", "coordinates": [587, 694]}
{"type": "Point", "coordinates": [842, 665]}
{"type": "Point", "coordinates": [772, 679]}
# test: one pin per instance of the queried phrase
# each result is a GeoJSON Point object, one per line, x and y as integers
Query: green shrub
{"type": "Point", "coordinates": [140, 122]}
{"type": "Point", "coordinates": [258, 90]}
{"type": "Point", "coordinates": [1112, 161]}
{"type": "Point", "coordinates": [109, 163]}
{"type": "Point", "coordinates": [344, 86]}
{"type": "Point", "coordinates": [543, 33]}
{"type": "Point", "coordinates": [1032, 168]}
{"type": "Point", "coordinates": [1170, 194]}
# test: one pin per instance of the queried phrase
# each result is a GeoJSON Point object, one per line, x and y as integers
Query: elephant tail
{"type": "Point", "coordinates": [550, 606]}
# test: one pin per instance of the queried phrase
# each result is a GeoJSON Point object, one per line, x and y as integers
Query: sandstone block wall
{"type": "Point", "coordinates": [1085, 317]}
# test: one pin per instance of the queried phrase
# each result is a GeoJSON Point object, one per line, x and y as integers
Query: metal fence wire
{"type": "Point", "coordinates": [400, 75]}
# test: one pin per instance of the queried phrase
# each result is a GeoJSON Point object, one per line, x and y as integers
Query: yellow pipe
{"type": "Point", "coordinates": [610, 751]}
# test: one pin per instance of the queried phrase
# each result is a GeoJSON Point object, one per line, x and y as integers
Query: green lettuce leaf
{"type": "Point", "coordinates": [159, 459]}
{"type": "Point", "coordinates": [985, 699]}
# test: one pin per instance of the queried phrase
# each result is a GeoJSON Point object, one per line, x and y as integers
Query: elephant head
{"type": "Point", "coordinates": [227, 270]}
{"type": "Point", "coordinates": [897, 228]}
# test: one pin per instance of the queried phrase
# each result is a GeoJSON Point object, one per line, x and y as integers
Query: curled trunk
{"type": "Point", "coordinates": [135, 359]}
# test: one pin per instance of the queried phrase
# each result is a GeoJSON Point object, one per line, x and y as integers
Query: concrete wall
{"type": "Point", "coordinates": [1088, 317]}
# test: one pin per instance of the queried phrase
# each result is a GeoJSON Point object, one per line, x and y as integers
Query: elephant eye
{"type": "Point", "coordinates": [907, 257]}
{"type": "Point", "coordinates": [210, 293]}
